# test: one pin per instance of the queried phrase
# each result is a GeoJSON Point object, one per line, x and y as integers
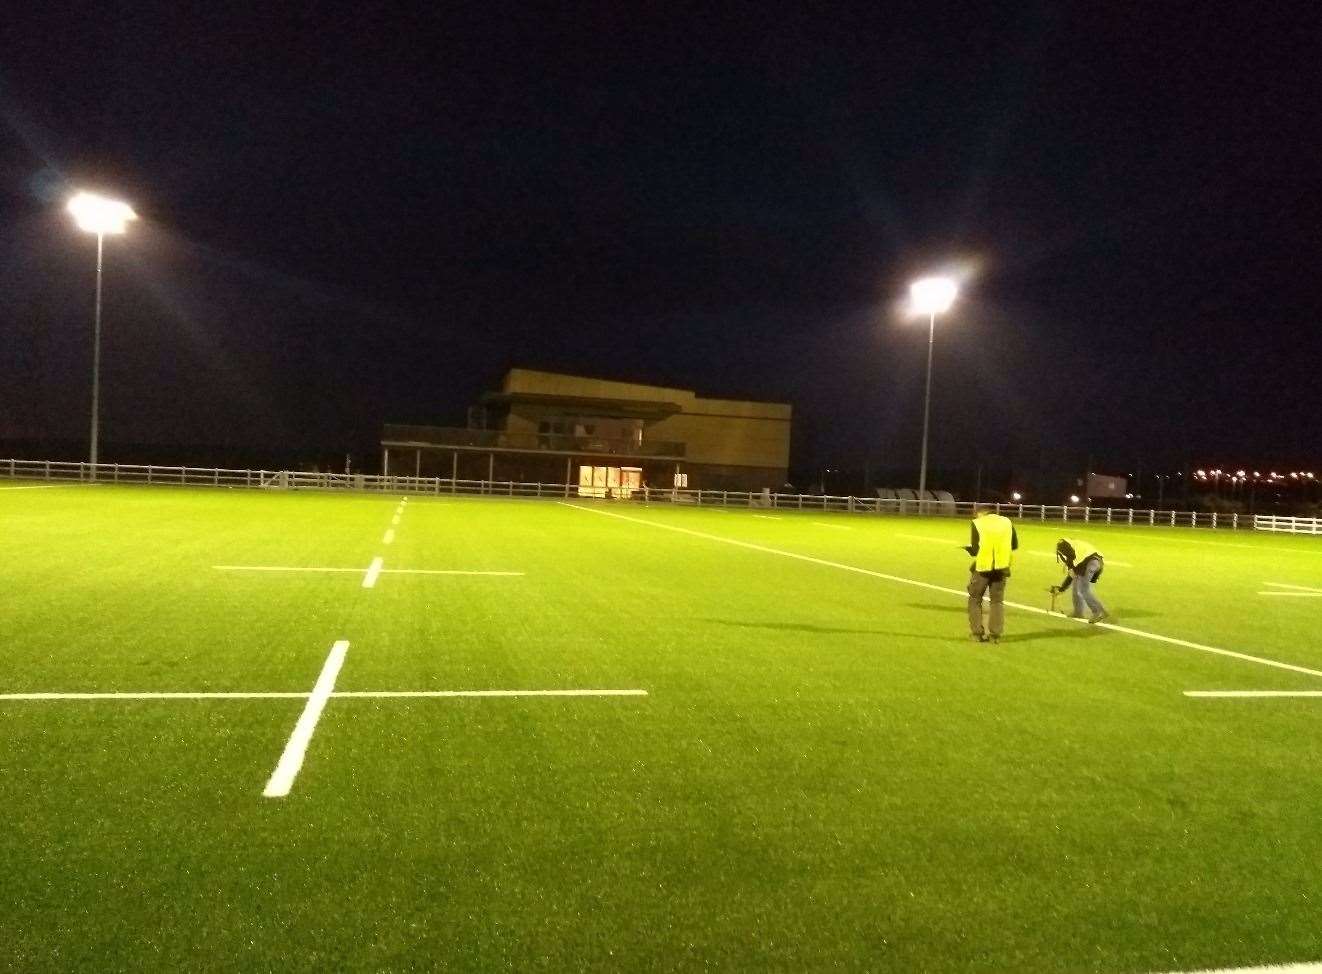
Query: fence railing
{"type": "Point", "coordinates": [120, 473]}
{"type": "Point", "coordinates": [1289, 525]}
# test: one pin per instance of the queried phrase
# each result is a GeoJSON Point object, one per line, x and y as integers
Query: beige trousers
{"type": "Point", "coordinates": [995, 589]}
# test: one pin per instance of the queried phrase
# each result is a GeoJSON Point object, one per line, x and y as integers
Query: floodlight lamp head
{"type": "Point", "coordinates": [932, 295]}
{"type": "Point", "coordinates": [100, 215]}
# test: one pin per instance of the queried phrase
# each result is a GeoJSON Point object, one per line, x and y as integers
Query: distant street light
{"type": "Point", "coordinates": [930, 296]}
{"type": "Point", "coordinates": [101, 216]}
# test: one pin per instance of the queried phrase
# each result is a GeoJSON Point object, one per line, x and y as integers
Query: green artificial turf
{"type": "Point", "coordinates": [826, 773]}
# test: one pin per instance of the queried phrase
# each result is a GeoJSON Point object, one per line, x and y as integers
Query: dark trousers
{"type": "Point", "coordinates": [992, 585]}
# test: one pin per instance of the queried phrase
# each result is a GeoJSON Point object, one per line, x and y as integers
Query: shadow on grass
{"type": "Point", "coordinates": [1074, 632]}
{"type": "Point", "coordinates": [960, 608]}
{"type": "Point", "coordinates": [815, 629]}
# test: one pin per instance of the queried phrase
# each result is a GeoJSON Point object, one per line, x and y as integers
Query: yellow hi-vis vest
{"type": "Point", "coordinates": [1082, 550]}
{"type": "Point", "coordinates": [995, 533]}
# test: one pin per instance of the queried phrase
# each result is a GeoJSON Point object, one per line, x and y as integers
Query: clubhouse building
{"type": "Point", "coordinates": [601, 435]}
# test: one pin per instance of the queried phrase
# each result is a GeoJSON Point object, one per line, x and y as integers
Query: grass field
{"type": "Point", "coordinates": [824, 773]}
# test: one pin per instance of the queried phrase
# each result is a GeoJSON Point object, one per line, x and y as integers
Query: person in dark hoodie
{"type": "Point", "coordinates": [1083, 567]}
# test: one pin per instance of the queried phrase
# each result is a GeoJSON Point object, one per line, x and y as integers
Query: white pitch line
{"type": "Point", "coordinates": [769, 517]}
{"type": "Point", "coordinates": [373, 570]}
{"type": "Point", "coordinates": [838, 527]}
{"type": "Point", "coordinates": [38, 487]}
{"type": "Point", "coordinates": [135, 695]}
{"type": "Point", "coordinates": [334, 695]}
{"type": "Point", "coordinates": [282, 779]}
{"type": "Point", "coordinates": [1296, 588]}
{"type": "Point", "coordinates": [1170, 640]}
{"type": "Point", "coordinates": [1297, 595]}
{"type": "Point", "coordinates": [389, 536]}
{"type": "Point", "coordinates": [1253, 693]}
{"type": "Point", "coordinates": [1265, 969]}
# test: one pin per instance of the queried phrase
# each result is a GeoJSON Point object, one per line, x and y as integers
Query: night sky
{"type": "Point", "coordinates": [353, 215]}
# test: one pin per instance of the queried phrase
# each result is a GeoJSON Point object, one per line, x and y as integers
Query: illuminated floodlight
{"type": "Point", "coordinates": [99, 214]}
{"type": "Point", "coordinates": [1074, 498]}
{"type": "Point", "coordinates": [1016, 496]}
{"type": "Point", "coordinates": [932, 295]}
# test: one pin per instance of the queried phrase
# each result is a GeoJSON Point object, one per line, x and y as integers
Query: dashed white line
{"type": "Point", "coordinates": [395, 519]}
{"type": "Point", "coordinates": [389, 536]}
{"type": "Point", "coordinates": [372, 573]}
{"type": "Point", "coordinates": [291, 760]}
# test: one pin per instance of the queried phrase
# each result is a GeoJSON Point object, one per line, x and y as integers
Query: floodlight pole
{"type": "Point", "coordinates": [96, 354]}
{"type": "Point", "coordinates": [927, 409]}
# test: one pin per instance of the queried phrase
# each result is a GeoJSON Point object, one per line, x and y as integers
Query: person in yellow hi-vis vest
{"type": "Point", "coordinates": [994, 542]}
{"type": "Point", "coordinates": [1083, 567]}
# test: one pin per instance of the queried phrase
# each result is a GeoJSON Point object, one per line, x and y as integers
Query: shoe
{"type": "Point", "coordinates": [1099, 617]}
{"type": "Point", "coordinates": [978, 637]}
{"type": "Point", "coordinates": [996, 640]}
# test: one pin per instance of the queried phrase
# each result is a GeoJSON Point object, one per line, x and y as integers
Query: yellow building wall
{"type": "Point", "coordinates": [715, 431]}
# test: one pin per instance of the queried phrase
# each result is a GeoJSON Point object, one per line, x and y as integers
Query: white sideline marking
{"type": "Point", "coordinates": [282, 779]}
{"type": "Point", "coordinates": [389, 536]}
{"type": "Point", "coordinates": [1171, 640]}
{"type": "Point", "coordinates": [373, 571]}
{"type": "Point", "coordinates": [334, 695]}
{"type": "Point", "coordinates": [1297, 595]}
{"type": "Point", "coordinates": [838, 527]}
{"type": "Point", "coordinates": [769, 517]}
{"type": "Point", "coordinates": [134, 695]}
{"type": "Point", "coordinates": [1295, 588]}
{"type": "Point", "coordinates": [37, 487]}
{"type": "Point", "coordinates": [1253, 693]}
{"type": "Point", "coordinates": [1266, 969]}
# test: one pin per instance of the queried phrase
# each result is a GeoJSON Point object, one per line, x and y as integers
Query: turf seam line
{"type": "Point", "coordinates": [291, 759]}
{"type": "Point", "coordinates": [1171, 640]}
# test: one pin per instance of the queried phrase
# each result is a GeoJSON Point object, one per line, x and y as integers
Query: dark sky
{"type": "Point", "coordinates": [354, 215]}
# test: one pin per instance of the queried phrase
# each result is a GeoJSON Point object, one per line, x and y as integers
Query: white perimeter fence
{"type": "Point", "coordinates": [120, 473]}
